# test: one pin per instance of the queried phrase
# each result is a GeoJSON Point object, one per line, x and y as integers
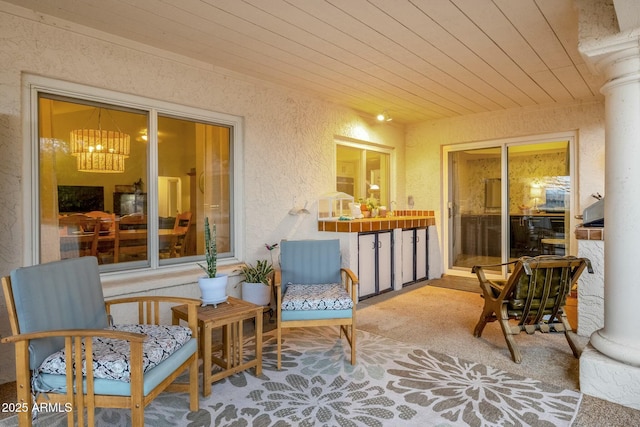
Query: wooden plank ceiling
{"type": "Point", "coordinates": [418, 59]}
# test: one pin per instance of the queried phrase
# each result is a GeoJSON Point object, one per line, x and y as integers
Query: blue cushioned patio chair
{"type": "Point", "coordinates": [57, 310]}
{"type": "Point", "coordinates": [315, 291]}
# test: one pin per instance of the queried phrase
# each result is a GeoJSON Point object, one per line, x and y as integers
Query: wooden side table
{"type": "Point", "coordinates": [228, 316]}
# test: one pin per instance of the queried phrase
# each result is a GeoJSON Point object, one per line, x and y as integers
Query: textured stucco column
{"type": "Point", "coordinates": [610, 365]}
{"type": "Point", "coordinates": [620, 337]}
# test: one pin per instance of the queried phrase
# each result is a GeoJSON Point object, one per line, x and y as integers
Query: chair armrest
{"type": "Point", "coordinates": [490, 289]}
{"type": "Point", "coordinates": [68, 333]}
{"type": "Point", "coordinates": [349, 278]}
{"type": "Point", "coordinates": [149, 308]}
{"type": "Point", "coordinates": [153, 298]}
{"type": "Point", "coordinates": [277, 288]}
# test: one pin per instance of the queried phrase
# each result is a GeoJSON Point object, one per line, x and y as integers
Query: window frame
{"type": "Point", "coordinates": [369, 146]}
{"type": "Point", "coordinates": [33, 85]}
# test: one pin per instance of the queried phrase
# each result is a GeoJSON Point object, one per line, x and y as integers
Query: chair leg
{"type": "Point", "coordinates": [568, 333]}
{"type": "Point", "coordinates": [353, 344]}
{"type": "Point", "coordinates": [23, 384]}
{"type": "Point", "coordinates": [508, 336]}
{"type": "Point", "coordinates": [137, 415]}
{"type": "Point", "coordinates": [572, 344]}
{"type": "Point", "coordinates": [194, 402]}
{"type": "Point", "coordinates": [482, 322]}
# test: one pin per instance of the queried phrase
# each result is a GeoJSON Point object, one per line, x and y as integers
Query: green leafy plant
{"type": "Point", "coordinates": [258, 273]}
{"type": "Point", "coordinates": [211, 250]}
{"type": "Point", "coordinates": [372, 203]}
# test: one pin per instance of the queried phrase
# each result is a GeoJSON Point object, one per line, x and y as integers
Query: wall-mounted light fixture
{"type": "Point", "coordinates": [296, 210]}
{"type": "Point", "coordinates": [384, 117]}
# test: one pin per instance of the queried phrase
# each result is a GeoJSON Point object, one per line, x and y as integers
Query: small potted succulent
{"type": "Point", "coordinates": [213, 286]}
{"type": "Point", "coordinates": [256, 287]}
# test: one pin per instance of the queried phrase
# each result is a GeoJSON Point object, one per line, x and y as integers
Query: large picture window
{"type": "Point", "coordinates": [131, 184]}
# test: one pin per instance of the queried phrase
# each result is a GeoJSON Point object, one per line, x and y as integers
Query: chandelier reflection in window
{"type": "Point", "coordinates": [99, 150]}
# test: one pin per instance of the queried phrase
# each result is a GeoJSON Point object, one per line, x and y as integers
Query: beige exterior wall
{"type": "Point", "coordinates": [289, 147]}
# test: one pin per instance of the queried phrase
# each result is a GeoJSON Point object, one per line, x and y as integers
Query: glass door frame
{"type": "Point", "coordinates": [447, 206]}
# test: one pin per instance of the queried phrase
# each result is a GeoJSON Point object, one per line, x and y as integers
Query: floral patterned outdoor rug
{"type": "Point", "coordinates": [392, 384]}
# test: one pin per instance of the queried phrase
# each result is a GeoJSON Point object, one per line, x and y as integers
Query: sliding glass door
{"type": "Point", "coordinates": [506, 200]}
{"type": "Point", "coordinates": [475, 207]}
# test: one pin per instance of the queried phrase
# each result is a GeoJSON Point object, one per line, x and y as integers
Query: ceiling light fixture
{"type": "Point", "coordinates": [99, 150]}
{"type": "Point", "coordinates": [384, 117]}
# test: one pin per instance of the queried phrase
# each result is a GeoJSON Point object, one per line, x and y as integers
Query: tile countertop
{"type": "Point", "coordinates": [589, 233]}
{"type": "Point", "coordinates": [400, 219]}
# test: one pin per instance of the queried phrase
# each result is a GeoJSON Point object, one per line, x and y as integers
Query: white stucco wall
{"type": "Point", "coordinates": [288, 139]}
{"type": "Point", "coordinates": [424, 141]}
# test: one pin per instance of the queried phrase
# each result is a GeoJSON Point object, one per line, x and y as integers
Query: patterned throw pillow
{"type": "Point", "coordinates": [111, 357]}
{"type": "Point", "coordinates": [331, 296]}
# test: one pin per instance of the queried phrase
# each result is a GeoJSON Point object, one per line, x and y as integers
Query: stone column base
{"type": "Point", "coordinates": [609, 379]}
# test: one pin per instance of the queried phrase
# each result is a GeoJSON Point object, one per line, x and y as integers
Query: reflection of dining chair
{"type": "Point", "coordinates": [177, 242]}
{"type": "Point", "coordinates": [534, 296]}
{"type": "Point", "coordinates": [180, 230]}
{"type": "Point", "coordinates": [131, 238]}
{"type": "Point", "coordinates": [78, 236]}
{"type": "Point", "coordinates": [106, 242]}
{"type": "Point", "coordinates": [554, 242]}
{"type": "Point", "coordinates": [60, 324]}
{"type": "Point", "coordinates": [107, 220]}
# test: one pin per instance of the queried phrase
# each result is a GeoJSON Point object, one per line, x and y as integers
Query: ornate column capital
{"type": "Point", "coordinates": [605, 49]}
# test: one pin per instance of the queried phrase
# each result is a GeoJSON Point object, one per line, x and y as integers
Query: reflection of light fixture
{"type": "Point", "coordinates": [99, 150]}
{"type": "Point", "coordinates": [372, 188]}
{"type": "Point", "coordinates": [384, 117]}
{"type": "Point", "coordinates": [535, 192]}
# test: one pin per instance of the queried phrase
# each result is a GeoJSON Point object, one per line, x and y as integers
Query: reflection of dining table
{"type": "Point", "coordinates": [128, 241]}
{"type": "Point", "coordinates": [163, 233]}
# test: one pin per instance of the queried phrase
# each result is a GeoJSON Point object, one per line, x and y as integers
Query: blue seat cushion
{"type": "Point", "coordinates": [316, 301]}
{"type": "Point", "coordinates": [329, 296]}
{"type": "Point", "coordinates": [152, 378]}
{"type": "Point", "coordinates": [111, 356]}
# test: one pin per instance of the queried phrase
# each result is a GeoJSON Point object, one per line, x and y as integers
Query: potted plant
{"type": "Point", "coordinates": [213, 286]}
{"type": "Point", "coordinates": [256, 287]}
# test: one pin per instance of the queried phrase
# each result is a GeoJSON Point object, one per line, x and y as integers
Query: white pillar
{"type": "Point", "coordinates": [620, 337]}
{"type": "Point", "coordinates": [610, 365]}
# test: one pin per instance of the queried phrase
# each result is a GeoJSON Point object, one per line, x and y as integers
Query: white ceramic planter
{"type": "Point", "coordinates": [256, 293]}
{"type": "Point", "coordinates": [213, 289]}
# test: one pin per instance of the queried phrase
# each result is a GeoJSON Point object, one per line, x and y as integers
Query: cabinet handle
{"type": "Point", "coordinates": [373, 245]}
{"type": "Point", "coordinates": [417, 239]}
{"type": "Point", "coordinates": [379, 244]}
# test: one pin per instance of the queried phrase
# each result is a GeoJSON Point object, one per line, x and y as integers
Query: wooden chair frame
{"type": "Point", "coordinates": [148, 313]}
{"type": "Point", "coordinates": [347, 325]}
{"type": "Point", "coordinates": [555, 274]}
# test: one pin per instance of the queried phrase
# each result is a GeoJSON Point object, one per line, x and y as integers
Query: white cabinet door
{"type": "Point", "coordinates": [407, 256]}
{"type": "Point", "coordinates": [384, 262]}
{"type": "Point", "coordinates": [366, 264]}
{"type": "Point", "coordinates": [421, 253]}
